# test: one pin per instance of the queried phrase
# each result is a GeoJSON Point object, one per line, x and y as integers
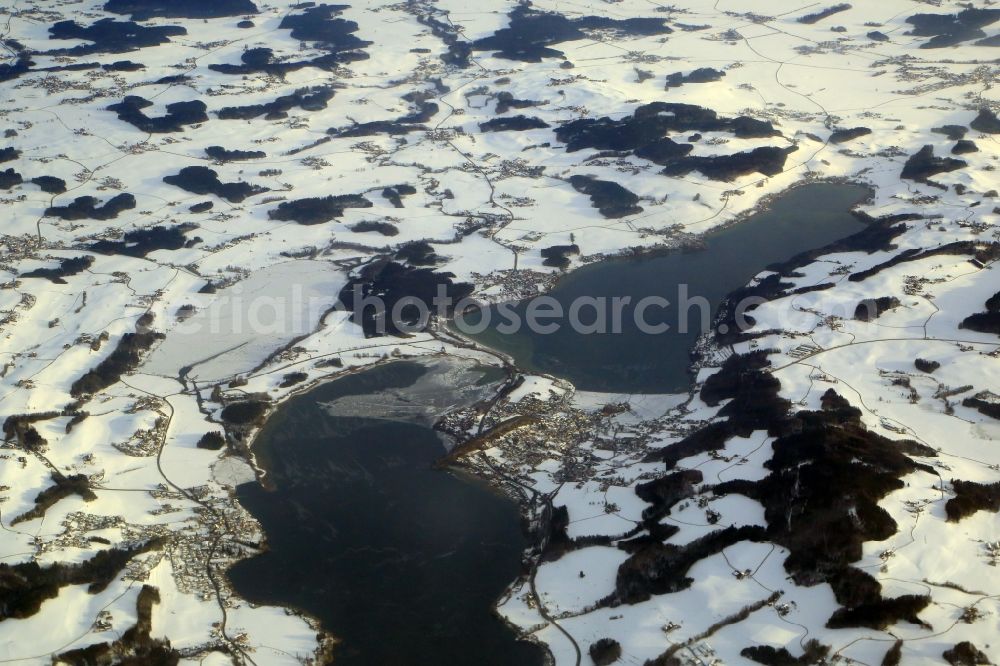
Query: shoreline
{"type": "Point", "coordinates": [497, 483]}
{"type": "Point", "coordinates": [493, 485]}
{"type": "Point", "coordinates": [689, 242]}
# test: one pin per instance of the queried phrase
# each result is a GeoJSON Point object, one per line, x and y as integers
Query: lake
{"type": "Point", "coordinates": [633, 361]}
{"type": "Point", "coordinates": [404, 562]}
{"type": "Point", "coordinates": [401, 561]}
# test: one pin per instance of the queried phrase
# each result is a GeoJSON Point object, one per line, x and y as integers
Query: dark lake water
{"type": "Point", "coordinates": [401, 561]}
{"type": "Point", "coordinates": [633, 361]}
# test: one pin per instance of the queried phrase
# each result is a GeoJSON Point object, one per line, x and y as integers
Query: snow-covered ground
{"type": "Point", "coordinates": [245, 299]}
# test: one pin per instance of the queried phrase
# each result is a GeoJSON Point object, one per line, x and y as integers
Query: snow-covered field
{"type": "Point", "coordinates": [184, 308]}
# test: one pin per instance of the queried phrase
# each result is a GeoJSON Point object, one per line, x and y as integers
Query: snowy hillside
{"type": "Point", "coordinates": [190, 190]}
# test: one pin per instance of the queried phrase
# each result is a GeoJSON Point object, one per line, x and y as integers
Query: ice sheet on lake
{"type": "Point", "coordinates": [232, 471]}
{"type": "Point", "coordinates": [447, 384]}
